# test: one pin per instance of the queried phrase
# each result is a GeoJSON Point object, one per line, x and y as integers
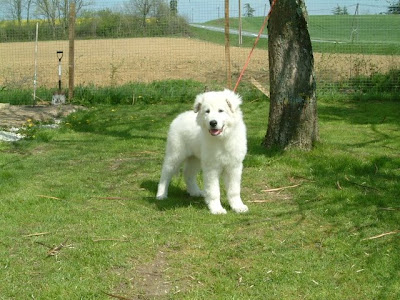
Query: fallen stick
{"type": "Point", "coordinates": [381, 235]}
{"type": "Point", "coordinates": [259, 201]}
{"type": "Point", "coordinates": [36, 234]}
{"type": "Point", "coordinates": [112, 240]}
{"type": "Point", "coordinates": [54, 251]}
{"type": "Point", "coordinates": [113, 198]}
{"type": "Point", "coordinates": [43, 244]}
{"type": "Point", "coordinates": [281, 188]}
{"type": "Point", "coordinates": [49, 197]}
{"type": "Point", "coordinates": [361, 185]}
{"type": "Point", "coordinates": [338, 185]}
{"type": "Point", "coordinates": [389, 208]}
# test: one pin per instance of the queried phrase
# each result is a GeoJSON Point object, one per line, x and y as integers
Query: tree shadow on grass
{"type": "Point", "coordinates": [357, 200]}
{"type": "Point", "coordinates": [370, 112]}
{"type": "Point", "coordinates": [124, 122]}
{"type": "Point", "coordinates": [177, 197]}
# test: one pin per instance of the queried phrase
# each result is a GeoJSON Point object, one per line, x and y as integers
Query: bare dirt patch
{"type": "Point", "coordinates": [18, 115]}
{"type": "Point", "coordinates": [145, 281]}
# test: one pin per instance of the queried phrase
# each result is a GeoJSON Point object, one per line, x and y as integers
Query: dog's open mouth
{"type": "Point", "coordinates": [215, 132]}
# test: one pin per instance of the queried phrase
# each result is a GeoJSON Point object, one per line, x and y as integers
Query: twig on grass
{"type": "Point", "coordinates": [36, 234]}
{"type": "Point", "coordinates": [381, 235]}
{"type": "Point", "coordinates": [338, 185]}
{"type": "Point", "coordinates": [258, 201]}
{"type": "Point", "coordinates": [389, 208]}
{"type": "Point", "coordinates": [110, 239]}
{"type": "Point", "coordinates": [43, 244]}
{"type": "Point", "coordinates": [48, 197]}
{"type": "Point", "coordinates": [113, 198]}
{"type": "Point", "coordinates": [361, 185]}
{"type": "Point", "coordinates": [281, 188]}
{"type": "Point", "coordinates": [315, 282]}
{"type": "Point", "coordinates": [53, 250]}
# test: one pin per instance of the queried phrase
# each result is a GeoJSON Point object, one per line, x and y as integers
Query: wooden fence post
{"type": "Point", "coordinates": [227, 48]}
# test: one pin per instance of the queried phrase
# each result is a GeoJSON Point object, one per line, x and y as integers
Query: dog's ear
{"type": "Point", "coordinates": [229, 105]}
{"type": "Point", "coordinates": [233, 100]}
{"type": "Point", "coordinates": [197, 107]}
{"type": "Point", "coordinates": [197, 103]}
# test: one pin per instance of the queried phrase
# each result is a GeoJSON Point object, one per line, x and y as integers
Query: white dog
{"type": "Point", "coordinates": [212, 138]}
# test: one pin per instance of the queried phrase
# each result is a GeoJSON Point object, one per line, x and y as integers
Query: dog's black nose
{"type": "Point", "coordinates": [213, 123]}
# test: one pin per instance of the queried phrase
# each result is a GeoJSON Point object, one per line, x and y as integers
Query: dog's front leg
{"type": "Point", "coordinates": [232, 184]}
{"type": "Point", "coordinates": [211, 191]}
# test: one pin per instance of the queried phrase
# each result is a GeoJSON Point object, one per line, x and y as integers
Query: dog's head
{"type": "Point", "coordinates": [217, 111]}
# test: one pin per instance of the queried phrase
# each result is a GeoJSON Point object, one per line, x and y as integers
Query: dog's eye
{"type": "Point", "coordinates": [220, 110]}
{"type": "Point", "coordinates": [207, 111]}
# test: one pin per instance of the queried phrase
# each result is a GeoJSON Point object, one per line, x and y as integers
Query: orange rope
{"type": "Point", "coordinates": [255, 44]}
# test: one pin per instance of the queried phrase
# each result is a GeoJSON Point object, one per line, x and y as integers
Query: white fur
{"type": "Point", "coordinates": [211, 138]}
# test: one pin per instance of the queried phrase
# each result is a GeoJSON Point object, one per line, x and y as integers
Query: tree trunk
{"type": "Point", "coordinates": [293, 120]}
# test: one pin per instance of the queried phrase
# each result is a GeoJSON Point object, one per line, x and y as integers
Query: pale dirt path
{"type": "Point", "coordinates": [117, 61]}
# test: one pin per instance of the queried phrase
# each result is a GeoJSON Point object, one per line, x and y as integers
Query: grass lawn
{"type": "Point", "coordinates": [369, 28]}
{"type": "Point", "coordinates": [79, 219]}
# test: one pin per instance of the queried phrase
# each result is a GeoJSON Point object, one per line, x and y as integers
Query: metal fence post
{"type": "Point", "coordinates": [71, 50]}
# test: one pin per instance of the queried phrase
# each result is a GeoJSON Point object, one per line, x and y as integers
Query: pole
{"type": "Point", "coordinates": [240, 23]}
{"type": "Point", "coordinates": [227, 48]}
{"type": "Point", "coordinates": [71, 55]}
{"type": "Point", "coordinates": [36, 54]}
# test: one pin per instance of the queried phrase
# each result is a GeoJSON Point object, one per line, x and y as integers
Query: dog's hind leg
{"type": "Point", "coordinates": [191, 169]}
{"type": "Point", "coordinates": [170, 167]}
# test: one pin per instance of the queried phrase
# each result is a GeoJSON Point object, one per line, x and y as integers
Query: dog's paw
{"type": "Point", "coordinates": [218, 211]}
{"type": "Point", "coordinates": [196, 193]}
{"type": "Point", "coordinates": [161, 197]}
{"type": "Point", "coordinates": [240, 208]}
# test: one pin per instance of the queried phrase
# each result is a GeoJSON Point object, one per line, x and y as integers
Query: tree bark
{"type": "Point", "coordinates": [293, 119]}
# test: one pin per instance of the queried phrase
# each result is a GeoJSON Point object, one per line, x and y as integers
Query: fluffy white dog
{"type": "Point", "coordinates": [211, 138]}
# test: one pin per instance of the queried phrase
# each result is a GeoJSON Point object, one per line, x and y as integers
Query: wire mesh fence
{"type": "Point", "coordinates": [147, 40]}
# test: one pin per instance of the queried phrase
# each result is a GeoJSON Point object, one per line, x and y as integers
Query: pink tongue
{"type": "Point", "coordinates": [215, 131]}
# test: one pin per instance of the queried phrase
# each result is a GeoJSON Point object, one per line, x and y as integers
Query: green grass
{"type": "Point", "coordinates": [135, 92]}
{"type": "Point", "coordinates": [375, 34]}
{"type": "Point", "coordinates": [377, 86]}
{"type": "Point", "coordinates": [91, 184]}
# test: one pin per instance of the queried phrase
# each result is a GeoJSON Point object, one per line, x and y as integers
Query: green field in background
{"type": "Point", "coordinates": [369, 34]}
